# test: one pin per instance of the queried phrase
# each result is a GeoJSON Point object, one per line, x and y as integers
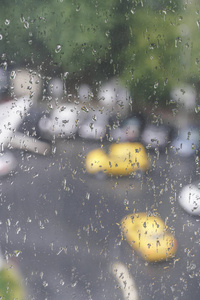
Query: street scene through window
{"type": "Point", "coordinates": [99, 150]}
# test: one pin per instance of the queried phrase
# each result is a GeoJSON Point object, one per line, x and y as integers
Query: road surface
{"type": "Point", "coordinates": [61, 224]}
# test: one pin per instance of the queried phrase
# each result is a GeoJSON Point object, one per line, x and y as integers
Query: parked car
{"type": "Point", "coordinates": [156, 136]}
{"type": "Point", "coordinates": [61, 123]}
{"type": "Point", "coordinates": [94, 126]}
{"type": "Point", "coordinates": [18, 127]}
{"type": "Point", "coordinates": [8, 163]}
{"type": "Point", "coordinates": [115, 98]}
{"type": "Point", "coordinates": [187, 142]}
{"type": "Point", "coordinates": [149, 236]}
{"type": "Point", "coordinates": [189, 198]}
{"type": "Point", "coordinates": [121, 160]}
{"type": "Point", "coordinates": [12, 115]}
{"type": "Point", "coordinates": [129, 130]}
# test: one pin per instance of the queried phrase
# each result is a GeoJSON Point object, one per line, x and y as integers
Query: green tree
{"type": "Point", "coordinates": [143, 42]}
{"type": "Point", "coordinates": [152, 57]}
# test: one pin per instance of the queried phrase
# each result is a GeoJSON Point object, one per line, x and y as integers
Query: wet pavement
{"type": "Point", "coordinates": [61, 224]}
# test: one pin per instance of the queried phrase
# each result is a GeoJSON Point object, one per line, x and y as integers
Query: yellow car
{"type": "Point", "coordinates": [122, 159]}
{"type": "Point", "coordinates": [149, 236]}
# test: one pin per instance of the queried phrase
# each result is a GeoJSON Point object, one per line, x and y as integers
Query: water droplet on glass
{"type": "Point", "coordinates": [85, 109]}
{"type": "Point", "coordinates": [155, 85]}
{"type": "Point", "coordinates": [58, 48]}
{"type": "Point", "coordinates": [107, 33]}
{"type": "Point", "coordinates": [7, 22]}
{"type": "Point", "coordinates": [45, 284]}
{"type": "Point", "coordinates": [197, 108]}
{"type": "Point", "coordinates": [94, 118]}
{"type": "Point", "coordinates": [126, 202]}
{"type": "Point", "coordinates": [53, 150]}
{"type": "Point", "coordinates": [26, 25]}
{"type": "Point", "coordinates": [65, 75]}
{"type": "Point", "coordinates": [74, 284]}
{"type": "Point", "coordinates": [87, 196]}
{"type": "Point", "coordinates": [12, 75]}
{"type": "Point", "coordinates": [62, 282]}
{"type": "Point", "coordinates": [17, 253]}
{"type": "Point", "coordinates": [1, 37]}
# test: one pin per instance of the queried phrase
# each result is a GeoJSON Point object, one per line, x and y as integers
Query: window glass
{"type": "Point", "coordinates": [99, 157]}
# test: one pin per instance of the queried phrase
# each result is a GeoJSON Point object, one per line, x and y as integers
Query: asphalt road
{"type": "Point", "coordinates": [61, 224]}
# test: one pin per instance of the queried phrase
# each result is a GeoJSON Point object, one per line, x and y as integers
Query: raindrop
{"type": "Point", "coordinates": [26, 25]}
{"type": "Point", "coordinates": [62, 282]}
{"type": "Point", "coordinates": [1, 37]}
{"type": "Point", "coordinates": [22, 19]}
{"type": "Point", "coordinates": [87, 196]}
{"type": "Point", "coordinates": [126, 202]}
{"type": "Point", "coordinates": [108, 33]}
{"type": "Point", "coordinates": [74, 284]}
{"type": "Point", "coordinates": [85, 109]}
{"type": "Point", "coordinates": [152, 46]}
{"type": "Point", "coordinates": [12, 75]}
{"type": "Point", "coordinates": [5, 65]}
{"type": "Point", "coordinates": [7, 22]}
{"type": "Point", "coordinates": [58, 48]}
{"type": "Point", "coordinates": [53, 150]}
{"type": "Point", "coordinates": [18, 230]}
{"type": "Point", "coordinates": [94, 118]}
{"type": "Point", "coordinates": [17, 253]}
{"type": "Point", "coordinates": [91, 126]}
{"type": "Point", "coordinates": [45, 284]}
{"type": "Point", "coordinates": [197, 108]}
{"type": "Point", "coordinates": [155, 85]}
{"type": "Point", "coordinates": [65, 75]}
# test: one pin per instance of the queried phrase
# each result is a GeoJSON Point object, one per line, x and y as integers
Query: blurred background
{"type": "Point", "coordinates": [75, 76]}
{"type": "Point", "coordinates": [151, 46]}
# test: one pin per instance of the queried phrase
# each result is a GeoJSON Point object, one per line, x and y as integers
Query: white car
{"type": "Point", "coordinates": [155, 136]}
{"type": "Point", "coordinates": [187, 142]}
{"type": "Point", "coordinates": [62, 122]}
{"type": "Point", "coordinates": [8, 163]}
{"type": "Point", "coordinates": [95, 126]}
{"type": "Point", "coordinates": [129, 130]}
{"type": "Point", "coordinates": [189, 198]}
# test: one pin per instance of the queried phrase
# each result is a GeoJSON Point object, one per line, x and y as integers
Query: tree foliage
{"type": "Point", "coordinates": [145, 43]}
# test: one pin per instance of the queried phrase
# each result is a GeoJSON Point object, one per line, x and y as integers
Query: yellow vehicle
{"type": "Point", "coordinates": [122, 159]}
{"type": "Point", "coordinates": [149, 236]}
